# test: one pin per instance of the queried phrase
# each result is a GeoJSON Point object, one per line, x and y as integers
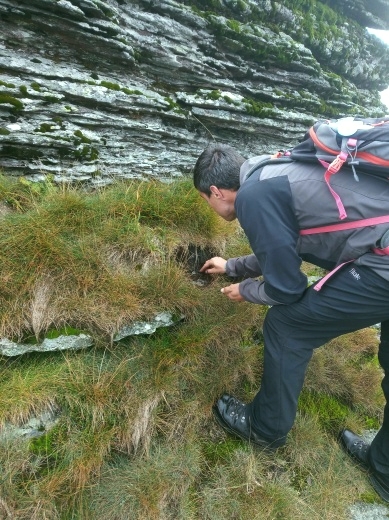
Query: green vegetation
{"type": "Point", "coordinates": [81, 137]}
{"type": "Point", "coordinates": [36, 86]}
{"type": "Point", "coordinates": [51, 99]}
{"type": "Point", "coordinates": [10, 100]}
{"type": "Point", "coordinates": [134, 436]}
{"type": "Point", "coordinates": [131, 92]}
{"type": "Point", "coordinates": [45, 127]}
{"type": "Point", "coordinates": [110, 85]}
{"type": "Point", "coordinates": [6, 84]}
{"type": "Point", "coordinates": [258, 108]}
{"type": "Point", "coordinates": [87, 151]}
{"type": "Point", "coordinates": [114, 86]}
{"type": "Point", "coordinates": [315, 24]}
{"type": "Point", "coordinates": [214, 94]}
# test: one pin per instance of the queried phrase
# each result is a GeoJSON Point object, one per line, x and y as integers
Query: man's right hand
{"type": "Point", "coordinates": [215, 265]}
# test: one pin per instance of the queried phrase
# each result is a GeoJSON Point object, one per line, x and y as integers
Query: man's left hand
{"type": "Point", "coordinates": [232, 292]}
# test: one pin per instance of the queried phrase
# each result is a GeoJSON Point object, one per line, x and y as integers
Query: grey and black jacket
{"type": "Point", "coordinates": [278, 201]}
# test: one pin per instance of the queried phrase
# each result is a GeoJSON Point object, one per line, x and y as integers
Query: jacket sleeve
{"type": "Point", "coordinates": [266, 214]}
{"type": "Point", "coordinates": [243, 266]}
{"type": "Point", "coordinates": [254, 291]}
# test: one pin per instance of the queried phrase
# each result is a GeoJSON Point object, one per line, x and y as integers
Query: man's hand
{"type": "Point", "coordinates": [215, 265]}
{"type": "Point", "coordinates": [232, 292]}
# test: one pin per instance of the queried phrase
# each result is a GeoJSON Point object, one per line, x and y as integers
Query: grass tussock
{"type": "Point", "coordinates": [97, 260]}
{"type": "Point", "coordinates": [134, 435]}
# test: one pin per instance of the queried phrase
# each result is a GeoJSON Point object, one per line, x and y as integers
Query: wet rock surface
{"type": "Point", "coordinates": [95, 90]}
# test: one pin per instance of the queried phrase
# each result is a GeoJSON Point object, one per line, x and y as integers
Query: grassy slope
{"type": "Point", "coordinates": [135, 438]}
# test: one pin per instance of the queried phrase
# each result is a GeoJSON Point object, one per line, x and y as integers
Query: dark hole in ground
{"type": "Point", "coordinates": [194, 257]}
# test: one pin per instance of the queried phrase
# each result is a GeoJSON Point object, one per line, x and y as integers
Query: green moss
{"type": "Point", "coordinates": [241, 5]}
{"type": "Point", "coordinates": [23, 90]}
{"type": "Point", "coordinates": [51, 99]}
{"type": "Point", "coordinates": [172, 104]}
{"type": "Point", "coordinates": [109, 85]}
{"type": "Point", "coordinates": [131, 92]}
{"type": "Point", "coordinates": [327, 110]}
{"type": "Point", "coordinates": [89, 153]}
{"type": "Point", "coordinates": [137, 55]}
{"type": "Point", "coordinates": [41, 445]}
{"type": "Point", "coordinates": [35, 86]}
{"type": "Point", "coordinates": [330, 412]}
{"type": "Point", "coordinates": [229, 100]}
{"type": "Point", "coordinates": [82, 138]}
{"type": "Point", "coordinates": [219, 452]}
{"type": "Point", "coordinates": [46, 446]}
{"type": "Point", "coordinates": [4, 131]}
{"type": "Point", "coordinates": [258, 108]}
{"type": "Point", "coordinates": [369, 497]}
{"type": "Point", "coordinates": [45, 127]}
{"type": "Point", "coordinates": [214, 94]}
{"type": "Point", "coordinates": [300, 479]}
{"type": "Point", "coordinates": [372, 423]}
{"type": "Point", "coordinates": [6, 99]}
{"type": "Point", "coordinates": [234, 25]}
{"type": "Point", "coordinates": [65, 331]}
{"type": "Point", "coordinates": [8, 85]}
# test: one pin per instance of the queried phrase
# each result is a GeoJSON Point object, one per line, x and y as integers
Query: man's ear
{"type": "Point", "coordinates": [217, 193]}
{"type": "Point", "coordinates": [223, 193]}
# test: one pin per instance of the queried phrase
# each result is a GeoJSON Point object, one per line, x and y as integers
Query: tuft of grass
{"type": "Point", "coordinates": [153, 488]}
{"type": "Point", "coordinates": [96, 260]}
{"type": "Point", "coordinates": [330, 412]}
{"type": "Point", "coordinates": [345, 373]}
{"type": "Point", "coordinates": [28, 387]}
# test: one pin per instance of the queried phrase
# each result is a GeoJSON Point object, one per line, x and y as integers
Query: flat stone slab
{"type": "Point", "coordinates": [163, 319]}
{"type": "Point", "coordinates": [10, 348]}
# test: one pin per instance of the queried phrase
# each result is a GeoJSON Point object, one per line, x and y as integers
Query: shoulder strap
{"type": "Point", "coordinates": [266, 162]}
{"type": "Point", "coordinates": [346, 225]}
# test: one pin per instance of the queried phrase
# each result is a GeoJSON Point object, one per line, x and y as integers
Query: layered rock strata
{"type": "Point", "coordinates": [91, 90]}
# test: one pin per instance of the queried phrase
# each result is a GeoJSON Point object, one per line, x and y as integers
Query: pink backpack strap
{"type": "Point", "coordinates": [320, 284]}
{"type": "Point", "coordinates": [346, 225]}
{"type": "Point", "coordinates": [333, 168]}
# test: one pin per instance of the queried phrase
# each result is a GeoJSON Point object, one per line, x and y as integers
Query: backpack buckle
{"type": "Point", "coordinates": [337, 163]}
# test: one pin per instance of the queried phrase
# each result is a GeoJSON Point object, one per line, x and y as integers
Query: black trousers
{"type": "Point", "coordinates": [352, 299]}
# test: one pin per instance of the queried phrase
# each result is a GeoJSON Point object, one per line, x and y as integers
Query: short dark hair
{"type": "Point", "coordinates": [218, 165]}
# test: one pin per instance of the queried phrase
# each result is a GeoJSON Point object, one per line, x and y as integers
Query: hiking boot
{"type": "Point", "coordinates": [356, 447]}
{"type": "Point", "coordinates": [231, 414]}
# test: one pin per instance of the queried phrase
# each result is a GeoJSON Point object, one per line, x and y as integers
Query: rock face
{"type": "Point", "coordinates": [93, 89]}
